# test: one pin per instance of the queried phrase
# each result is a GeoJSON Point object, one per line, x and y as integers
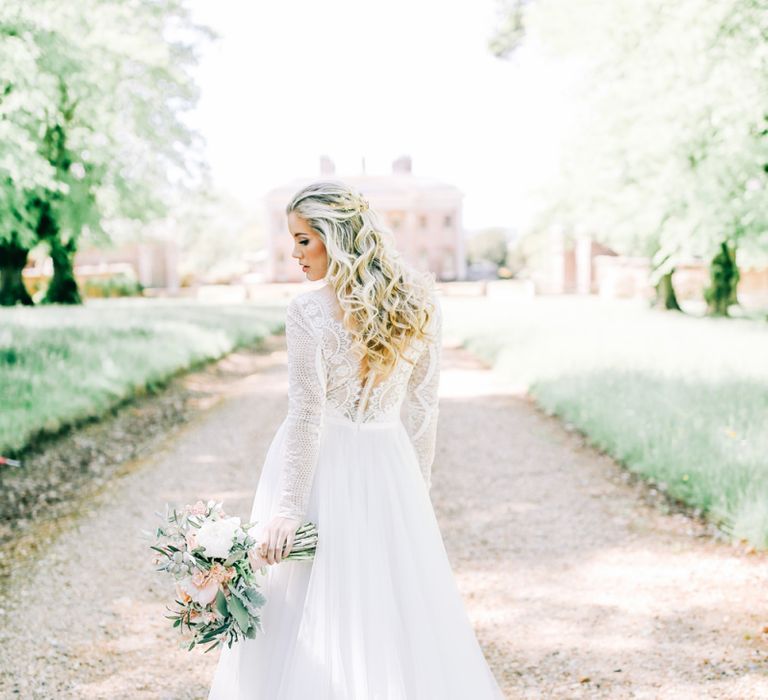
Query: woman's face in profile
{"type": "Point", "coordinates": [308, 248]}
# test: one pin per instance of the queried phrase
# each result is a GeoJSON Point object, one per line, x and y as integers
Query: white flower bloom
{"type": "Point", "coordinates": [216, 536]}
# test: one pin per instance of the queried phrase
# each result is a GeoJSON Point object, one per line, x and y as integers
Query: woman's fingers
{"type": "Point", "coordinates": [289, 542]}
{"type": "Point", "coordinates": [272, 547]}
{"type": "Point", "coordinates": [278, 542]}
{"type": "Point", "coordinates": [281, 542]}
{"type": "Point", "coordinates": [256, 559]}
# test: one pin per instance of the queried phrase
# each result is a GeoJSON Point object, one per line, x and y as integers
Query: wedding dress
{"type": "Point", "coordinates": [376, 615]}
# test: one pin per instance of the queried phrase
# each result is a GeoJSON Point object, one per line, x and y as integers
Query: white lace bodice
{"type": "Point", "coordinates": [324, 378]}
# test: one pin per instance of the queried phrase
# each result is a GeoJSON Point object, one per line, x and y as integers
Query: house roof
{"type": "Point", "coordinates": [403, 185]}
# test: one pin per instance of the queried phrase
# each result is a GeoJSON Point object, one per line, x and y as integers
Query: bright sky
{"type": "Point", "coordinates": [291, 80]}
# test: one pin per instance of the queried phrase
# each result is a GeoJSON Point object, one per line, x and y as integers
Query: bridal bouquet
{"type": "Point", "coordinates": [210, 557]}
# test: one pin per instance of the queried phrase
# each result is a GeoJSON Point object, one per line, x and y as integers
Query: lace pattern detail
{"type": "Point", "coordinates": [306, 398]}
{"type": "Point", "coordinates": [421, 399]}
{"type": "Point", "coordinates": [324, 373]}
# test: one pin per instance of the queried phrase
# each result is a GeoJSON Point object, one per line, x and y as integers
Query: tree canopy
{"type": "Point", "coordinates": [671, 157]}
{"type": "Point", "coordinates": [92, 98]}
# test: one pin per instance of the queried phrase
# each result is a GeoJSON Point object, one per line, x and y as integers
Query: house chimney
{"type": "Point", "coordinates": [402, 165]}
{"type": "Point", "coordinates": [326, 166]}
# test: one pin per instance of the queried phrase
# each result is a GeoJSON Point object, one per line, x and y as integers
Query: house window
{"type": "Point", "coordinates": [448, 221]}
{"type": "Point", "coordinates": [423, 221]}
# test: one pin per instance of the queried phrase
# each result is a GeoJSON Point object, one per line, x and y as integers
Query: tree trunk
{"type": "Point", "coordinates": [724, 278]}
{"type": "Point", "coordinates": [665, 293]}
{"type": "Point", "coordinates": [63, 287]}
{"type": "Point", "coordinates": [13, 258]}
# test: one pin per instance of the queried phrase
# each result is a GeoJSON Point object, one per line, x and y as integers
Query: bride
{"type": "Point", "coordinates": [376, 615]}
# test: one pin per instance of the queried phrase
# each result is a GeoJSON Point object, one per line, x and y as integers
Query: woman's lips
{"type": "Point", "coordinates": [305, 267]}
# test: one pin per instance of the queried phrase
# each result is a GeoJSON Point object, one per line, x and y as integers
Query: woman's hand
{"type": "Point", "coordinates": [256, 559]}
{"type": "Point", "coordinates": [277, 539]}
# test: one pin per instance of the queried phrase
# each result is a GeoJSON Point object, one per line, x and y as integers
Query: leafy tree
{"type": "Point", "coordinates": [96, 109]}
{"type": "Point", "coordinates": [22, 166]}
{"type": "Point", "coordinates": [671, 158]}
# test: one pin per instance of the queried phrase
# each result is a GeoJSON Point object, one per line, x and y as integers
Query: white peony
{"type": "Point", "coordinates": [216, 536]}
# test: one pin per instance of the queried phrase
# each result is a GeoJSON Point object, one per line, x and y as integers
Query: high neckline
{"type": "Point", "coordinates": [336, 310]}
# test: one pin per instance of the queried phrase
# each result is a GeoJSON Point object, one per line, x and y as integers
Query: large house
{"type": "Point", "coordinates": [424, 215]}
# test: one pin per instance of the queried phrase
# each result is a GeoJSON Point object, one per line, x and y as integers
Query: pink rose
{"type": "Point", "coordinates": [198, 509]}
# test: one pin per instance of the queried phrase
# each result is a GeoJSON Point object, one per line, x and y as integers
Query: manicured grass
{"type": "Point", "coordinates": [62, 365]}
{"type": "Point", "coordinates": [679, 400]}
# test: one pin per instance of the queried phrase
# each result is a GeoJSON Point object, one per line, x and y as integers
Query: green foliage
{"type": "Point", "coordinates": [59, 369]}
{"type": "Point", "coordinates": [671, 151]}
{"type": "Point", "coordinates": [701, 441]}
{"type": "Point", "coordinates": [91, 97]}
{"type": "Point", "coordinates": [115, 286]}
{"type": "Point", "coordinates": [681, 401]}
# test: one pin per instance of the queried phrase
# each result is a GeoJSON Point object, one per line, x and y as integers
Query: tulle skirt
{"type": "Point", "coordinates": [376, 615]}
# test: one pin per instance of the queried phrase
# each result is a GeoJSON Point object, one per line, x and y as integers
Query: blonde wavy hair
{"type": "Point", "coordinates": [386, 304]}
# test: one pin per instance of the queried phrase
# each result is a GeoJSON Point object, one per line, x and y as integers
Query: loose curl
{"type": "Point", "coordinates": [386, 303]}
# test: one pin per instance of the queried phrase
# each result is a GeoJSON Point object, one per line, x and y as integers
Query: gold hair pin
{"type": "Point", "coordinates": [359, 204]}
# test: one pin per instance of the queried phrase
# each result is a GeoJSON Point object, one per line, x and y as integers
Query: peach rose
{"type": "Point", "coordinates": [201, 587]}
{"type": "Point", "coordinates": [182, 594]}
{"type": "Point", "coordinates": [221, 573]}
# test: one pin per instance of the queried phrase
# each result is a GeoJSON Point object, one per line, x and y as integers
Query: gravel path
{"type": "Point", "coordinates": [579, 585]}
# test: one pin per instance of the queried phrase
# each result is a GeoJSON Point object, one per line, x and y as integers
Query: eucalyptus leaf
{"type": "Point", "coordinates": [235, 557]}
{"type": "Point", "coordinates": [221, 603]}
{"type": "Point", "coordinates": [239, 613]}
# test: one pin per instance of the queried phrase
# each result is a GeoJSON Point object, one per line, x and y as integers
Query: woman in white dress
{"type": "Point", "coordinates": [376, 615]}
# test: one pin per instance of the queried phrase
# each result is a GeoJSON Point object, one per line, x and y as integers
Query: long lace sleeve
{"type": "Point", "coordinates": [306, 399]}
{"type": "Point", "coordinates": [421, 400]}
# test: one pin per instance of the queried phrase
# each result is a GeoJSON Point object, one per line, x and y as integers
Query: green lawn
{"type": "Point", "coordinates": [62, 365]}
{"type": "Point", "coordinates": [679, 400]}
